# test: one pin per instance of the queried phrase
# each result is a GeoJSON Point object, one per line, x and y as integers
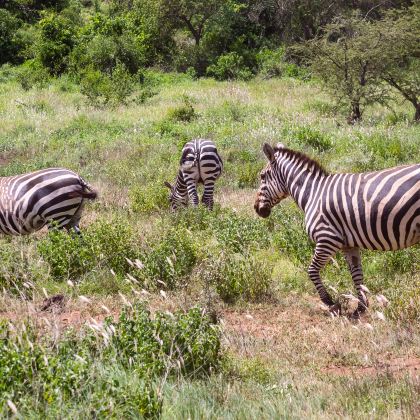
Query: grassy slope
{"type": "Point", "coordinates": [282, 352]}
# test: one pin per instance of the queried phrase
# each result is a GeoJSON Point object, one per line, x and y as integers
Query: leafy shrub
{"type": "Point", "coordinates": [169, 259]}
{"type": "Point", "coordinates": [101, 89]}
{"type": "Point", "coordinates": [248, 174]}
{"type": "Point", "coordinates": [182, 113]}
{"type": "Point", "coordinates": [149, 198]}
{"type": "Point", "coordinates": [290, 235]}
{"type": "Point", "coordinates": [239, 233]}
{"type": "Point", "coordinates": [58, 36]}
{"type": "Point", "coordinates": [32, 74]}
{"type": "Point", "coordinates": [19, 271]}
{"type": "Point", "coordinates": [107, 243]}
{"type": "Point", "coordinates": [100, 366]}
{"type": "Point", "coordinates": [9, 43]}
{"type": "Point", "coordinates": [307, 136]}
{"type": "Point", "coordinates": [229, 66]}
{"type": "Point", "coordinates": [239, 277]}
{"type": "Point", "coordinates": [270, 62]}
{"type": "Point", "coordinates": [144, 344]}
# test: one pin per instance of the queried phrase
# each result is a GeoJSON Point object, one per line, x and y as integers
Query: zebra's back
{"type": "Point", "coordinates": [375, 210]}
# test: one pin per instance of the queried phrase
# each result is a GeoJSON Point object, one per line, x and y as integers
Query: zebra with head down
{"type": "Point", "coordinates": [372, 210]}
{"type": "Point", "coordinates": [53, 197]}
{"type": "Point", "coordinates": [200, 164]}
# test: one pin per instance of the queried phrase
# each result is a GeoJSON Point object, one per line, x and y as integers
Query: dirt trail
{"type": "Point", "coordinates": [270, 332]}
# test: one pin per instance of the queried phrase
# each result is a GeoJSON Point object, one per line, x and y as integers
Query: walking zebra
{"type": "Point", "coordinates": [200, 163]}
{"type": "Point", "coordinates": [52, 196]}
{"type": "Point", "coordinates": [372, 210]}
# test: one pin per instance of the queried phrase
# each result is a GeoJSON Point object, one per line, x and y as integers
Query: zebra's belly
{"type": "Point", "coordinates": [11, 224]}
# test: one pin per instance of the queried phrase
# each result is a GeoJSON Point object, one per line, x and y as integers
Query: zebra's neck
{"type": "Point", "coordinates": [302, 180]}
{"type": "Point", "coordinates": [180, 186]}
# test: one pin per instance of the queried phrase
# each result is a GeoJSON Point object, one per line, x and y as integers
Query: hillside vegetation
{"type": "Point", "coordinates": [274, 352]}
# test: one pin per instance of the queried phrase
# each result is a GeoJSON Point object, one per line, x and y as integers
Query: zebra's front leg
{"type": "Point", "coordinates": [192, 191]}
{"type": "Point", "coordinates": [207, 198]}
{"type": "Point", "coordinates": [323, 252]}
{"type": "Point", "coordinates": [354, 262]}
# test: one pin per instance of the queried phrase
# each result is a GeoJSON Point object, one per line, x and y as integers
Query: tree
{"type": "Point", "coordinates": [193, 14]}
{"type": "Point", "coordinates": [341, 58]}
{"type": "Point", "coordinates": [397, 52]}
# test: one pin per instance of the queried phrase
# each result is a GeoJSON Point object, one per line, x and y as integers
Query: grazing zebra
{"type": "Point", "coordinates": [372, 210]}
{"type": "Point", "coordinates": [200, 163]}
{"type": "Point", "coordinates": [52, 196]}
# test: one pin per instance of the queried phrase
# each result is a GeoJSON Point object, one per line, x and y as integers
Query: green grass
{"type": "Point", "coordinates": [251, 273]}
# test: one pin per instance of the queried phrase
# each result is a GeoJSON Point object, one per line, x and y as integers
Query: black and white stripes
{"type": "Point", "coordinates": [200, 164]}
{"type": "Point", "coordinates": [376, 210]}
{"type": "Point", "coordinates": [52, 196]}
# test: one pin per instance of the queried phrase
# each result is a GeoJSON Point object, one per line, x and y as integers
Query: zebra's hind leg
{"type": "Point", "coordinates": [207, 198]}
{"type": "Point", "coordinates": [354, 262]}
{"type": "Point", "coordinates": [323, 252]}
{"type": "Point", "coordinates": [192, 191]}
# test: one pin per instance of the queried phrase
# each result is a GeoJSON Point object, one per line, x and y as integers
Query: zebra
{"type": "Point", "coordinates": [200, 163]}
{"type": "Point", "coordinates": [344, 211]}
{"type": "Point", "coordinates": [53, 197]}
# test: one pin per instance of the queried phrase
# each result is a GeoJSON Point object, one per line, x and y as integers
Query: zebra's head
{"type": "Point", "coordinates": [272, 187]}
{"type": "Point", "coordinates": [176, 199]}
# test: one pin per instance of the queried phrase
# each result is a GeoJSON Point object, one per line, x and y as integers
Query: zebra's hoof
{"type": "Point", "coordinates": [335, 309]}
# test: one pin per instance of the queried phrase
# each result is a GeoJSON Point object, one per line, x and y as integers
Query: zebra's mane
{"type": "Point", "coordinates": [301, 157]}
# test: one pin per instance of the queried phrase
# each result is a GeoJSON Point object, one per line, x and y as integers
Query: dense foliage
{"type": "Point", "coordinates": [105, 46]}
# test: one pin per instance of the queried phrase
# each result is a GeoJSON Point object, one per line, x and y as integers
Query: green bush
{"type": "Point", "coordinates": [239, 277]}
{"type": "Point", "coordinates": [240, 233]}
{"type": "Point", "coordinates": [271, 62]}
{"type": "Point", "coordinates": [19, 271]}
{"type": "Point", "coordinates": [32, 74]}
{"type": "Point", "coordinates": [182, 113]}
{"type": "Point", "coordinates": [248, 174]}
{"type": "Point", "coordinates": [290, 236]}
{"type": "Point", "coordinates": [57, 39]}
{"type": "Point", "coordinates": [168, 260]}
{"type": "Point", "coordinates": [120, 362]}
{"type": "Point", "coordinates": [229, 66]}
{"type": "Point", "coordinates": [307, 136]}
{"type": "Point", "coordinates": [149, 198]}
{"type": "Point", "coordinates": [9, 42]}
{"type": "Point", "coordinates": [101, 89]}
{"type": "Point", "coordinates": [104, 243]}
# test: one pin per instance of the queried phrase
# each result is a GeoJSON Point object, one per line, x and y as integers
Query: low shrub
{"type": "Point", "coordinates": [240, 233]}
{"type": "Point", "coordinates": [19, 271]}
{"type": "Point", "coordinates": [248, 174]}
{"type": "Point", "coordinates": [104, 243]}
{"type": "Point", "coordinates": [119, 362]}
{"type": "Point", "coordinates": [239, 277]}
{"type": "Point", "coordinates": [229, 66]}
{"type": "Point", "coordinates": [32, 74]}
{"type": "Point", "coordinates": [149, 198]}
{"type": "Point", "coordinates": [182, 113]}
{"type": "Point", "coordinates": [102, 89]}
{"type": "Point", "coordinates": [168, 259]}
{"type": "Point", "coordinates": [290, 236]}
{"type": "Point", "coordinates": [307, 136]}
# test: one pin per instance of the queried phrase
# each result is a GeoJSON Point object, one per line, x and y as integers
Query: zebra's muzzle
{"type": "Point", "coordinates": [262, 211]}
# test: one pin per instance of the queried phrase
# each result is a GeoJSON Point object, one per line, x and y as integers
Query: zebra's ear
{"type": "Point", "coordinates": [167, 184]}
{"type": "Point", "coordinates": [268, 151]}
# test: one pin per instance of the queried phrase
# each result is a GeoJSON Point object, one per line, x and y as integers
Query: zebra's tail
{"type": "Point", "coordinates": [87, 191]}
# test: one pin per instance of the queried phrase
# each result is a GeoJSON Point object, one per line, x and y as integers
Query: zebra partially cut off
{"type": "Point", "coordinates": [200, 164]}
{"type": "Point", "coordinates": [53, 197]}
{"type": "Point", "coordinates": [348, 212]}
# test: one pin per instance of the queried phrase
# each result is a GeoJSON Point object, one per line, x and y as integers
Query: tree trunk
{"type": "Point", "coordinates": [417, 114]}
{"type": "Point", "coordinates": [356, 114]}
